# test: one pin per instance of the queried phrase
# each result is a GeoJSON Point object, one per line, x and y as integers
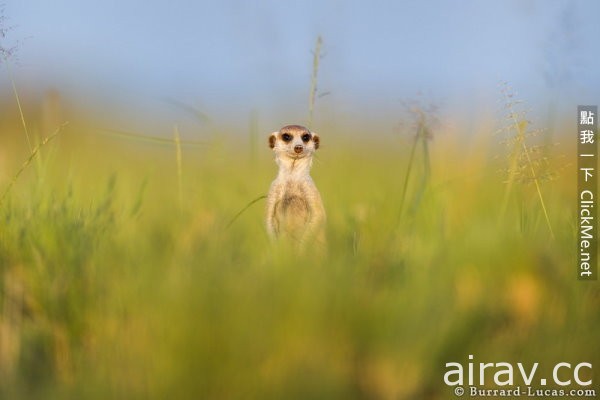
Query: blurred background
{"type": "Point", "coordinates": [134, 262]}
{"type": "Point", "coordinates": [229, 59]}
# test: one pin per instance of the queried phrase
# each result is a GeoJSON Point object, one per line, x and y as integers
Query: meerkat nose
{"type": "Point", "coordinates": [298, 149]}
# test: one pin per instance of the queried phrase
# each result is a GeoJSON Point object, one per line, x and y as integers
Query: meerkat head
{"type": "Point", "coordinates": [294, 142]}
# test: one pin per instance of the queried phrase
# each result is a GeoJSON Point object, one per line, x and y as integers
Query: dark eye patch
{"type": "Point", "coordinates": [286, 137]}
{"type": "Point", "coordinates": [305, 138]}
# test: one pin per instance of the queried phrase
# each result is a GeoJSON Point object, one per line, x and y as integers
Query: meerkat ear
{"type": "Point", "coordinates": [272, 139]}
{"type": "Point", "coordinates": [316, 139]}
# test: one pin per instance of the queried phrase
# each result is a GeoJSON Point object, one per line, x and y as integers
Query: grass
{"type": "Point", "coordinates": [18, 100]}
{"type": "Point", "coordinates": [34, 152]}
{"type": "Point", "coordinates": [421, 137]}
{"type": "Point", "coordinates": [312, 95]}
{"type": "Point", "coordinates": [521, 162]}
{"type": "Point", "coordinates": [115, 285]}
{"type": "Point", "coordinates": [179, 160]}
{"type": "Point", "coordinates": [130, 271]}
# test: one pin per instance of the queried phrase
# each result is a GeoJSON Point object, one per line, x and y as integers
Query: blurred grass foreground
{"type": "Point", "coordinates": [120, 278]}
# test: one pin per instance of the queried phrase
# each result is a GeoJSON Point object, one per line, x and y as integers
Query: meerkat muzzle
{"type": "Point", "coordinates": [298, 149]}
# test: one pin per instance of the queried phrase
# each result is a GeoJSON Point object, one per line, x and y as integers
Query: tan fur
{"type": "Point", "coordinates": [294, 207]}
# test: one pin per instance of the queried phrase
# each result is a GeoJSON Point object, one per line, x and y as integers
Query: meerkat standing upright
{"type": "Point", "coordinates": [294, 206]}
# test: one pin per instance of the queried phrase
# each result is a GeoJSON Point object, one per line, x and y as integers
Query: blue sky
{"type": "Point", "coordinates": [229, 57]}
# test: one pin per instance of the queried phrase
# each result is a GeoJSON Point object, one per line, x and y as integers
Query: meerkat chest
{"type": "Point", "coordinates": [294, 197]}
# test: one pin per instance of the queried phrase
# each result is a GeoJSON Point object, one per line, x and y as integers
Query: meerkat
{"type": "Point", "coordinates": [294, 206]}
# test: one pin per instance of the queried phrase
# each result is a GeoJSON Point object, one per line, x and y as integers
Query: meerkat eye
{"type": "Point", "coordinates": [305, 138]}
{"type": "Point", "coordinates": [286, 137]}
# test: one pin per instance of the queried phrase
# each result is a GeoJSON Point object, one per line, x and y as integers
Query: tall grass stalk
{"type": "Point", "coordinates": [520, 149]}
{"type": "Point", "coordinates": [27, 162]}
{"type": "Point", "coordinates": [149, 138]}
{"type": "Point", "coordinates": [420, 138]}
{"type": "Point", "coordinates": [244, 209]}
{"type": "Point", "coordinates": [411, 160]}
{"type": "Point", "coordinates": [313, 81]}
{"type": "Point", "coordinates": [18, 100]}
{"type": "Point", "coordinates": [6, 53]}
{"type": "Point", "coordinates": [426, 165]}
{"type": "Point", "coordinates": [178, 159]}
